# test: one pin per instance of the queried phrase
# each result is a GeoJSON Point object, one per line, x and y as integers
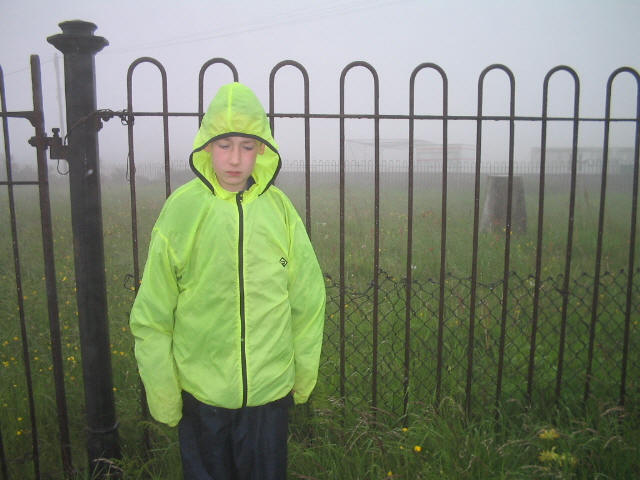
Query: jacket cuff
{"type": "Point", "coordinates": [299, 398]}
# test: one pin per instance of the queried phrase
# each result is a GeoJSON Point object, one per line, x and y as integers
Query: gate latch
{"type": "Point", "coordinates": [57, 151]}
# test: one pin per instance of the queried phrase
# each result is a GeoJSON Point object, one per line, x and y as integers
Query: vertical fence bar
{"type": "Point", "coordinates": [628, 306]}
{"type": "Point", "coordinates": [474, 260]}
{"type": "Point", "coordinates": [131, 165]}
{"type": "Point", "coordinates": [132, 187]}
{"type": "Point", "coordinates": [342, 241]}
{"type": "Point", "coordinates": [376, 214]}
{"type": "Point", "coordinates": [598, 259]}
{"type": "Point", "coordinates": [536, 288]}
{"type": "Point", "coordinates": [507, 241]}
{"type": "Point", "coordinates": [203, 69]}
{"type": "Point", "coordinates": [19, 293]}
{"type": "Point", "coordinates": [131, 154]}
{"type": "Point", "coordinates": [3, 460]}
{"type": "Point", "coordinates": [541, 194]}
{"type": "Point", "coordinates": [7, 157]}
{"type": "Point", "coordinates": [570, 228]}
{"type": "Point", "coordinates": [79, 46]}
{"type": "Point", "coordinates": [49, 270]}
{"type": "Point", "coordinates": [632, 244]}
{"type": "Point", "coordinates": [165, 131]}
{"type": "Point", "coordinates": [443, 233]}
{"type": "Point", "coordinates": [165, 112]}
{"type": "Point", "coordinates": [409, 270]}
{"type": "Point", "coordinates": [376, 241]}
{"type": "Point", "coordinates": [307, 145]}
{"type": "Point", "coordinates": [569, 249]}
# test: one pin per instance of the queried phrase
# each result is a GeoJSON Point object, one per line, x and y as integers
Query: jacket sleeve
{"type": "Point", "coordinates": [151, 322]}
{"type": "Point", "coordinates": [307, 299]}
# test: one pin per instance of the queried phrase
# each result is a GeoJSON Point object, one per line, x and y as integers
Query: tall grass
{"type": "Point", "coordinates": [442, 442]}
{"type": "Point", "coordinates": [331, 439]}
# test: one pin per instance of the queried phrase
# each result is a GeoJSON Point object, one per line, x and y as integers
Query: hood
{"type": "Point", "coordinates": [236, 111]}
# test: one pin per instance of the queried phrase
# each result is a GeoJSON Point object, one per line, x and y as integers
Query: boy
{"type": "Point", "coordinates": [229, 316]}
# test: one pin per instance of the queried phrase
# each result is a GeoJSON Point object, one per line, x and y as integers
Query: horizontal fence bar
{"type": "Point", "coordinates": [4, 183]}
{"type": "Point", "coordinates": [29, 115]}
{"type": "Point", "coordinates": [382, 116]}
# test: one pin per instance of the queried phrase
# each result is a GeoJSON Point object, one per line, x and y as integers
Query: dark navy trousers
{"type": "Point", "coordinates": [245, 444]}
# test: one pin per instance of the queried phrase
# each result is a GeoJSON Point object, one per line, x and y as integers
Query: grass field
{"type": "Point", "coordinates": [330, 439]}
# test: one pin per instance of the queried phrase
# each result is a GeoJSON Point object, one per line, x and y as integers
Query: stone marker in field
{"type": "Point", "coordinates": [494, 211]}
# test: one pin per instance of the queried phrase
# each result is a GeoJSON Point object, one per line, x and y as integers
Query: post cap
{"type": "Point", "coordinates": [77, 37]}
{"type": "Point", "coordinates": [78, 27]}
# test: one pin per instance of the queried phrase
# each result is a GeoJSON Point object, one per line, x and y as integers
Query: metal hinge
{"type": "Point", "coordinates": [57, 151]}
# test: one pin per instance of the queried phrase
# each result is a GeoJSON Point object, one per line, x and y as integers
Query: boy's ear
{"type": "Point", "coordinates": [260, 148]}
{"type": "Point", "coordinates": [208, 147]}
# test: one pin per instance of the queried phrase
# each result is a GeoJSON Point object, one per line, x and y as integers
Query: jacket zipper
{"type": "Point", "coordinates": [241, 286]}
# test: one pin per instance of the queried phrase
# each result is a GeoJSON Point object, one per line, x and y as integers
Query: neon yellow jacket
{"type": "Point", "coordinates": [231, 304]}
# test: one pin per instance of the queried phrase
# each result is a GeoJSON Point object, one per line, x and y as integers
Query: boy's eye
{"type": "Point", "coordinates": [249, 146]}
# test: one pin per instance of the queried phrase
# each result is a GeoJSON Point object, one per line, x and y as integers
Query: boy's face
{"type": "Point", "coordinates": [233, 160]}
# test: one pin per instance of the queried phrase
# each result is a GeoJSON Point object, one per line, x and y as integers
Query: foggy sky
{"type": "Point", "coordinates": [594, 37]}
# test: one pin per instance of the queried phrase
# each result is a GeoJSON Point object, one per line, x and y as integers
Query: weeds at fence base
{"type": "Point", "coordinates": [329, 440]}
{"type": "Point", "coordinates": [441, 442]}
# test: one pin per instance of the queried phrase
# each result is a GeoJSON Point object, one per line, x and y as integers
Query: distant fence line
{"type": "Point", "coordinates": [154, 171]}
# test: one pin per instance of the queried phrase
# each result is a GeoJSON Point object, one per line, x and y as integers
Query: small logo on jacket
{"type": "Point", "coordinates": [283, 262]}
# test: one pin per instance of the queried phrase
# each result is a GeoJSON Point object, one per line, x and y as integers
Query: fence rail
{"type": "Point", "coordinates": [405, 339]}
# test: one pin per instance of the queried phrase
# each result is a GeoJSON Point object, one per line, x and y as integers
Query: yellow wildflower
{"type": "Point", "coordinates": [417, 449]}
{"type": "Point", "coordinates": [548, 434]}
{"type": "Point", "coordinates": [405, 429]}
{"type": "Point", "coordinates": [549, 455]}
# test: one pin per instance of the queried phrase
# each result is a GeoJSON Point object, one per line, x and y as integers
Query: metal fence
{"type": "Point", "coordinates": [403, 340]}
{"type": "Point", "coordinates": [521, 359]}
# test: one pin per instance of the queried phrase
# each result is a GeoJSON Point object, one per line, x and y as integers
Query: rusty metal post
{"type": "Point", "coordinates": [79, 46]}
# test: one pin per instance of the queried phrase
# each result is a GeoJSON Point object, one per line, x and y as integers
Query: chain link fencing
{"type": "Point", "coordinates": [374, 372]}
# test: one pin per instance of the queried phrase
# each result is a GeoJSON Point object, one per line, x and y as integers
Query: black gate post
{"type": "Point", "coordinates": [79, 46]}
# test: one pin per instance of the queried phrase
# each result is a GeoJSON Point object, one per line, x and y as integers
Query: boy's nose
{"type": "Point", "coordinates": [234, 158]}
